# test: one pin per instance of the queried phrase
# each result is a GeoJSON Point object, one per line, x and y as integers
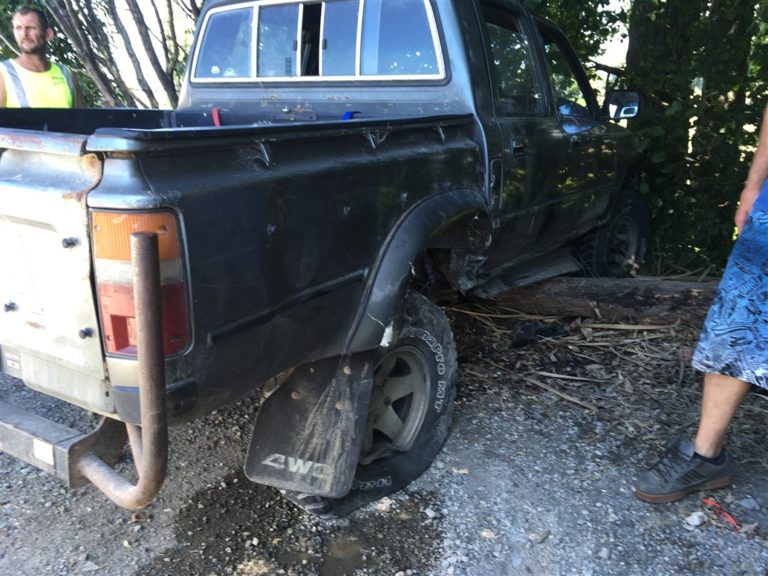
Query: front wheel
{"type": "Point", "coordinates": [619, 247]}
{"type": "Point", "coordinates": [410, 410]}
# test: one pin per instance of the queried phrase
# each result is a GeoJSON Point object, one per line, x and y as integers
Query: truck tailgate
{"type": "Point", "coordinates": [49, 334]}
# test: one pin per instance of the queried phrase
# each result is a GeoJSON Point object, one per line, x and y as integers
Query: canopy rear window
{"type": "Point", "coordinates": [336, 39]}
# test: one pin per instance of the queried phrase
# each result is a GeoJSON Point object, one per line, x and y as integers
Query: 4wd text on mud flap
{"type": "Point", "coordinates": [296, 465]}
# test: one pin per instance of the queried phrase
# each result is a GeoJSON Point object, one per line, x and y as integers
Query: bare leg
{"type": "Point", "coordinates": [722, 397]}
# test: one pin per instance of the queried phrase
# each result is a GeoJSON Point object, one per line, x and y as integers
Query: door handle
{"type": "Point", "coordinates": [519, 146]}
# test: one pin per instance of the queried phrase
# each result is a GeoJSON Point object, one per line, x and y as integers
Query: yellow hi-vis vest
{"type": "Point", "coordinates": [27, 89]}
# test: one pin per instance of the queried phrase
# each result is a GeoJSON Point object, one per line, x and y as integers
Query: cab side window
{"type": "Point", "coordinates": [516, 84]}
{"type": "Point", "coordinates": [569, 96]}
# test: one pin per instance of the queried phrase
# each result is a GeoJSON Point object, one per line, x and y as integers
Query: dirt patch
{"type": "Point", "coordinates": [554, 419]}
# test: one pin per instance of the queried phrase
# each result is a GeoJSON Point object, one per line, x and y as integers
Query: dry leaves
{"type": "Point", "coordinates": [637, 376]}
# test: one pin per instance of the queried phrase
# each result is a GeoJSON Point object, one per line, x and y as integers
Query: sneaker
{"type": "Point", "coordinates": [679, 472]}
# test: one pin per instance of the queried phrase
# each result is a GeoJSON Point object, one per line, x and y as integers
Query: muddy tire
{"type": "Point", "coordinates": [410, 411]}
{"type": "Point", "coordinates": [619, 247]}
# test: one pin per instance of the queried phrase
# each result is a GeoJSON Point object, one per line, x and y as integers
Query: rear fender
{"type": "Point", "coordinates": [389, 278]}
{"type": "Point", "coordinates": [308, 433]}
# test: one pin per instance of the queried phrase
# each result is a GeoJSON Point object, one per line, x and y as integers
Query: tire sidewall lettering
{"type": "Point", "coordinates": [375, 484]}
{"type": "Point", "coordinates": [442, 386]}
{"type": "Point", "coordinates": [439, 366]}
{"type": "Point", "coordinates": [436, 348]}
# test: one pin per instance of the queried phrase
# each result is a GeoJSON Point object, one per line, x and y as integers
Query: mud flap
{"type": "Point", "coordinates": [309, 432]}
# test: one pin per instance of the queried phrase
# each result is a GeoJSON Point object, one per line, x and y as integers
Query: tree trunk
{"type": "Point", "coordinates": [627, 300]}
{"type": "Point", "coordinates": [99, 29]}
{"type": "Point", "coordinates": [660, 66]}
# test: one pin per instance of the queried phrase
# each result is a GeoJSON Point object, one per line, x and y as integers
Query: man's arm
{"type": "Point", "coordinates": [758, 173]}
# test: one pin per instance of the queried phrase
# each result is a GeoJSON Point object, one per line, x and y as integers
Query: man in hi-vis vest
{"type": "Point", "coordinates": [31, 80]}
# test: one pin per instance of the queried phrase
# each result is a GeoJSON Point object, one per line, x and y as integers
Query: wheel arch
{"type": "Point", "coordinates": [431, 218]}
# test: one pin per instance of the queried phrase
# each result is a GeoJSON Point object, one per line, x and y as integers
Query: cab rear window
{"type": "Point", "coordinates": [336, 39]}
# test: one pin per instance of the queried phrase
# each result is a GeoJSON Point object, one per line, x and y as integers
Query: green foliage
{"type": "Point", "coordinates": [699, 97]}
{"type": "Point", "coordinates": [701, 67]}
{"type": "Point", "coordinates": [586, 23]}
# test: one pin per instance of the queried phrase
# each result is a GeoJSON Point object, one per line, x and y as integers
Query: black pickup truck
{"type": "Point", "coordinates": [329, 165]}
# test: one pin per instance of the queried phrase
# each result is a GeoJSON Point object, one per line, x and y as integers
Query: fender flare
{"type": "Point", "coordinates": [321, 409]}
{"type": "Point", "coordinates": [388, 278]}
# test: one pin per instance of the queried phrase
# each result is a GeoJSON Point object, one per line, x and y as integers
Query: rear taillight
{"type": "Point", "coordinates": [111, 233]}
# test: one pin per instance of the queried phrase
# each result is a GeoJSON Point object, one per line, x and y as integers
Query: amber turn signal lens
{"type": "Point", "coordinates": [112, 233]}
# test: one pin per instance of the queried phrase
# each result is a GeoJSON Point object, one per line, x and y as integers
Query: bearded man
{"type": "Point", "coordinates": [32, 80]}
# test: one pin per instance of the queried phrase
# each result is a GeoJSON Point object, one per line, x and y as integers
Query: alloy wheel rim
{"type": "Point", "coordinates": [398, 403]}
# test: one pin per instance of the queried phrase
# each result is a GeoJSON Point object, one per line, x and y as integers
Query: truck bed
{"type": "Point", "coordinates": [287, 236]}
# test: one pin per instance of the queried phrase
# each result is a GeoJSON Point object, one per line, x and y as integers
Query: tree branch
{"type": "Point", "coordinates": [146, 41]}
{"type": "Point", "coordinates": [140, 78]}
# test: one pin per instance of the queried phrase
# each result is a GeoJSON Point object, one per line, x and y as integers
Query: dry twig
{"type": "Point", "coordinates": [631, 326]}
{"type": "Point", "coordinates": [546, 387]}
{"type": "Point", "coordinates": [577, 378]}
{"type": "Point", "coordinates": [559, 393]}
{"type": "Point", "coordinates": [479, 376]}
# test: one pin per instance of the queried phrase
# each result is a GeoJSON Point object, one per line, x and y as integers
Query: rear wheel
{"type": "Point", "coordinates": [619, 247]}
{"type": "Point", "coordinates": [410, 410]}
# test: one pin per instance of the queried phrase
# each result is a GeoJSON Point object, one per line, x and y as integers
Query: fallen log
{"type": "Point", "coordinates": [635, 300]}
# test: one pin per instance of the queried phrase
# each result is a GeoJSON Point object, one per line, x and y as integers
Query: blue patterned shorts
{"type": "Point", "coordinates": [734, 340]}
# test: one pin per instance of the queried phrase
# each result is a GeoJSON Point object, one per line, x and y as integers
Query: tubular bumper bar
{"type": "Point", "coordinates": [80, 458]}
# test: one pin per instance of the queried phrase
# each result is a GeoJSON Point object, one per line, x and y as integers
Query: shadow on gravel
{"type": "Point", "coordinates": [239, 527]}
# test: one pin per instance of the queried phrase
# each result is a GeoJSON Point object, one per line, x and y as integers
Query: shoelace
{"type": "Point", "coordinates": [670, 463]}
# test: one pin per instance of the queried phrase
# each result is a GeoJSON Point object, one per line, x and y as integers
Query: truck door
{"type": "Point", "coordinates": [588, 169]}
{"type": "Point", "coordinates": [525, 208]}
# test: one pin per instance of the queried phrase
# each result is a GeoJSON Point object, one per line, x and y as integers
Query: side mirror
{"type": "Point", "coordinates": [621, 104]}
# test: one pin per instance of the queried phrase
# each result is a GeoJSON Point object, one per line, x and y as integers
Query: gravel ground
{"type": "Point", "coordinates": [553, 421]}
